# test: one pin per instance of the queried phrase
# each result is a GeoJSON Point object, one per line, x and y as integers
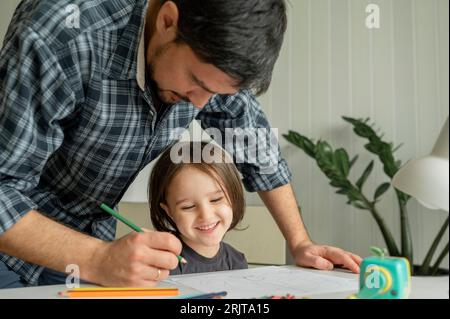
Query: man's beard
{"type": "Point", "coordinates": [162, 94]}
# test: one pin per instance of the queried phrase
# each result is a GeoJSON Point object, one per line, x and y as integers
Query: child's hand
{"type": "Point", "coordinates": [325, 257]}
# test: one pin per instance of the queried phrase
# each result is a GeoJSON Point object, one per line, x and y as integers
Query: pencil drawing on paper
{"type": "Point", "coordinates": [256, 282]}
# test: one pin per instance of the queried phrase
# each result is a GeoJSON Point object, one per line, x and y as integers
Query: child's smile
{"type": "Point", "coordinates": [209, 228]}
{"type": "Point", "coordinates": [200, 208]}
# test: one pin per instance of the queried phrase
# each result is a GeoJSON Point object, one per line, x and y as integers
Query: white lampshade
{"type": "Point", "coordinates": [427, 178]}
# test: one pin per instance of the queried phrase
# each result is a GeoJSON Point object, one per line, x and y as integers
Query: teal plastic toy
{"type": "Point", "coordinates": [384, 277]}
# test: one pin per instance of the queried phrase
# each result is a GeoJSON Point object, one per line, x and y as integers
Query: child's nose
{"type": "Point", "coordinates": [206, 211]}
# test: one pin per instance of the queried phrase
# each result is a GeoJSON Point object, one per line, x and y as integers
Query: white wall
{"type": "Point", "coordinates": [332, 65]}
{"type": "Point", "coordinates": [6, 10]}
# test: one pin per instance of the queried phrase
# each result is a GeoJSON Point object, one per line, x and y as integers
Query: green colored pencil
{"type": "Point", "coordinates": [130, 224]}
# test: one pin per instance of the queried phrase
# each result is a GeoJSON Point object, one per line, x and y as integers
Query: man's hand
{"type": "Point", "coordinates": [284, 209]}
{"type": "Point", "coordinates": [137, 260]}
{"type": "Point", "coordinates": [325, 257]}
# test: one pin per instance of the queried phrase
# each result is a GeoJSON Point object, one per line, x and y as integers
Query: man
{"type": "Point", "coordinates": [84, 108]}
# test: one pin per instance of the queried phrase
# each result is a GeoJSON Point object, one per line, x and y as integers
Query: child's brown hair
{"type": "Point", "coordinates": [217, 164]}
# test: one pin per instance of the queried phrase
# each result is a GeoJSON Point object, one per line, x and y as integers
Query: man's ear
{"type": "Point", "coordinates": [167, 21]}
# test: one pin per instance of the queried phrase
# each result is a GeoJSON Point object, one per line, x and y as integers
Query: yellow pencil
{"type": "Point", "coordinates": [120, 292]}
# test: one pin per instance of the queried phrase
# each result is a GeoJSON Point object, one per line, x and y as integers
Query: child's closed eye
{"type": "Point", "coordinates": [216, 200]}
{"type": "Point", "coordinates": [187, 207]}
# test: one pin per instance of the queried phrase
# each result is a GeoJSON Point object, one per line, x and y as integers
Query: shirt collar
{"type": "Point", "coordinates": [127, 60]}
{"type": "Point", "coordinates": [140, 63]}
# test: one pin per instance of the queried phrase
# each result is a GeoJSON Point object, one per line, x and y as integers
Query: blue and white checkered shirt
{"type": "Point", "coordinates": [77, 118]}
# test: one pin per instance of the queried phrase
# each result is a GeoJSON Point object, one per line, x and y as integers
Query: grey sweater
{"type": "Point", "coordinates": [227, 258]}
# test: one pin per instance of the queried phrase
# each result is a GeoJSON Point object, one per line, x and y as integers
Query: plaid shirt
{"type": "Point", "coordinates": [77, 118]}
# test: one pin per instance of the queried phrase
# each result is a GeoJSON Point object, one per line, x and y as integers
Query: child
{"type": "Point", "coordinates": [198, 198]}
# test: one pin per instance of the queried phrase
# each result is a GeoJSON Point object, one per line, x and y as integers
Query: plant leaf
{"type": "Point", "coordinates": [365, 175]}
{"type": "Point", "coordinates": [302, 142]}
{"type": "Point", "coordinates": [342, 161]}
{"type": "Point", "coordinates": [373, 148]}
{"type": "Point", "coordinates": [358, 205]}
{"type": "Point", "coordinates": [350, 120]}
{"type": "Point", "coordinates": [325, 149]}
{"type": "Point", "coordinates": [397, 148]}
{"type": "Point", "coordinates": [381, 190]}
{"type": "Point", "coordinates": [338, 183]}
{"type": "Point", "coordinates": [353, 195]}
{"type": "Point", "coordinates": [324, 158]}
{"type": "Point", "coordinates": [353, 161]}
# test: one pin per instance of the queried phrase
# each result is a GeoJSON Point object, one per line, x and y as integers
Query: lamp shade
{"type": "Point", "coordinates": [427, 178]}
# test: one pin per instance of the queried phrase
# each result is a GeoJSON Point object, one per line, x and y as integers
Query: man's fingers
{"type": "Point", "coordinates": [160, 259]}
{"type": "Point", "coordinates": [353, 266]}
{"type": "Point", "coordinates": [317, 262]}
{"type": "Point", "coordinates": [353, 262]}
{"type": "Point", "coordinates": [157, 274]}
{"type": "Point", "coordinates": [147, 276]}
{"type": "Point", "coordinates": [339, 256]}
{"type": "Point", "coordinates": [150, 273]}
{"type": "Point", "coordinates": [161, 241]}
{"type": "Point", "coordinates": [356, 258]}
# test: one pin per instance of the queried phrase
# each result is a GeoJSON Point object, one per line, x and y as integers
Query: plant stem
{"type": "Point", "coordinates": [387, 236]}
{"type": "Point", "coordinates": [439, 260]}
{"type": "Point", "coordinates": [407, 248]}
{"type": "Point", "coordinates": [424, 269]}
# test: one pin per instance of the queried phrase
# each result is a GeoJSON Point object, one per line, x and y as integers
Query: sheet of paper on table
{"type": "Point", "coordinates": [266, 281]}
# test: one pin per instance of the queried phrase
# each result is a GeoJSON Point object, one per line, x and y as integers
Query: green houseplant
{"type": "Point", "coordinates": [336, 165]}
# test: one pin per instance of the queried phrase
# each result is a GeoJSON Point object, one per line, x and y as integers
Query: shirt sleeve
{"type": "Point", "coordinates": [34, 96]}
{"type": "Point", "coordinates": [238, 124]}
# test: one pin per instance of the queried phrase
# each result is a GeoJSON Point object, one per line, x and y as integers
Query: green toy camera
{"type": "Point", "coordinates": [384, 277]}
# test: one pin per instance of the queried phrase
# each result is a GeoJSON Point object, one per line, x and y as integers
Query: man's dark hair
{"type": "Point", "coordinates": [242, 38]}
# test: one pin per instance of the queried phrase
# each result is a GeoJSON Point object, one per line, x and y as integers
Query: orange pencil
{"type": "Point", "coordinates": [120, 292]}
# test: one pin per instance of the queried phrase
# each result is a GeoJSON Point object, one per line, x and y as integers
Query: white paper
{"type": "Point", "coordinates": [267, 281]}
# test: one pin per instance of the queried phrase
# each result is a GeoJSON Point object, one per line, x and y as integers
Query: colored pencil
{"type": "Point", "coordinates": [120, 292]}
{"type": "Point", "coordinates": [211, 295]}
{"type": "Point", "coordinates": [127, 222]}
{"type": "Point", "coordinates": [130, 224]}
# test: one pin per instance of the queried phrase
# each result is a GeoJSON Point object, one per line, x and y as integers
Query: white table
{"type": "Point", "coordinates": [422, 288]}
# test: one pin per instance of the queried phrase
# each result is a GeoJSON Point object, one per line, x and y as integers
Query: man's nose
{"type": "Point", "coordinates": [199, 99]}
